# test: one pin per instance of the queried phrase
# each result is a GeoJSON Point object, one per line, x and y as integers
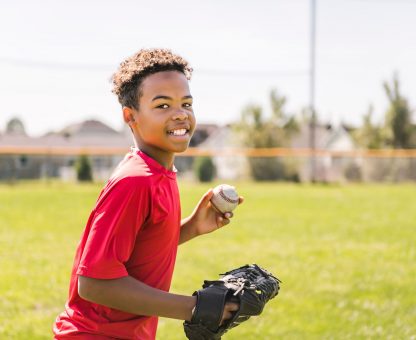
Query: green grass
{"type": "Point", "coordinates": [346, 256]}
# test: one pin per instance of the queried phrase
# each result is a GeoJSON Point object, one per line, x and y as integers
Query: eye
{"type": "Point", "coordinates": [187, 105]}
{"type": "Point", "coordinates": [162, 106]}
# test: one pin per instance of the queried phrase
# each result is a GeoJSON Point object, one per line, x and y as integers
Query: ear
{"type": "Point", "coordinates": [128, 115]}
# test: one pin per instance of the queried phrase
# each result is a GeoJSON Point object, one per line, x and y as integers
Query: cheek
{"type": "Point", "coordinates": [192, 119]}
{"type": "Point", "coordinates": [151, 127]}
{"type": "Point", "coordinates": [153, 131]}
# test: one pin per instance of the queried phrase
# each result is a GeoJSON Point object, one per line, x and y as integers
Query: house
{"type": "Point", "coordinates": [94, 135]}
{"type": "Point", "coordinates": [328, 168]}
{"type": "Point", "coordinates": [220, 143]}
{"type": "Point", "coordinates": [55, 153]}
{"type": "Point", "coordinates": [223, 142]}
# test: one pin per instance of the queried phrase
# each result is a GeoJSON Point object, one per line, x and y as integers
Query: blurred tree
{"type": "Point", "coordinates": [15, 127]}
{"type": "Point", "coordinates": [398, 126]}
{"type": "Point", "coordinates": [259, 131]}
{"type": "Point", "coordinates": [369, 135]}
{"type": "Point", "coordinates": [287, 123]}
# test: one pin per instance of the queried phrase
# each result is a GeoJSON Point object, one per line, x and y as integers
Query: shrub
{"type": "Point", "coordinates": [84, 170]}
{"type": "Point", "coordinates": [204, 169]}
{"type": "Point", "coordinates": [273, 169]}
{"type": "Point", "coordinates": [353, 173]}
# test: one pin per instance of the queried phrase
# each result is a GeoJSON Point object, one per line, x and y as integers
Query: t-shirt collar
{"type": "Point", "coordinates": [153, 163]}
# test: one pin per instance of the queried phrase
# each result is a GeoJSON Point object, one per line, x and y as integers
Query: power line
{"type": "Point", "coordinates": [254, 73]}
{"type": "Point", "coordinates": [413, 2]}
{"type": "Point", "coordinates": [55, 65]}
{"type": "Point", "coordinates": [107, 67]}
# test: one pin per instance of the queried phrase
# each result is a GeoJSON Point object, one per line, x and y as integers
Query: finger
{"type": "Point", "coordinates": [215, 208]}
{"type": "Point", "coordinates": [221, 221]}
{"type": "Point", "coordinates": [228, 215]}
{"type": "Point", "coordinates": [240, 199]}
{"type": "Point", "coordinates": [232, 307]}
{"type": "Point", "coordinates": [229, 309]}
{"type": "Point", "coordinates": [226, 315]}
{"type": "Point", "coordinates": [206, 198]}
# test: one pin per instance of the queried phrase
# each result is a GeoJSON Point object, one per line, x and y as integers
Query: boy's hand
{"type": "Point", "coordinates": [206, 218]}
{"type": "Point", "coordinates": [229, 309]}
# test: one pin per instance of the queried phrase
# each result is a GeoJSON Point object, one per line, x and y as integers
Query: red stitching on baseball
{"type": "Point", "coordinates": [230, 200]}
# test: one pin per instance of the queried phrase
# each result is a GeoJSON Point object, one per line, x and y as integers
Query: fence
{"type": "Point", "coordinates": [232, 163]}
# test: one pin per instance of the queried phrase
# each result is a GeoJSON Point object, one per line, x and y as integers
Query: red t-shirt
{"type": "Point", "coordinates": [133, 230]}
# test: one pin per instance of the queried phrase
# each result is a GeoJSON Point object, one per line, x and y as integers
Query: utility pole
{"type": "Point", "coordinates": [312, 123]}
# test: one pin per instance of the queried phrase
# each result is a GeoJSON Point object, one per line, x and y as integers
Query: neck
{"type": "Point", "coordinates": [164, 158]}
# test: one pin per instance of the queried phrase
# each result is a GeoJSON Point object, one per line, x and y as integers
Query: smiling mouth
{"type": "Point", "coordinates": [178, 132]}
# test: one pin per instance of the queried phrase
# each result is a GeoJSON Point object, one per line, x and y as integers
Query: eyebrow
{"type": "Point", "coordinates": [169, 98]}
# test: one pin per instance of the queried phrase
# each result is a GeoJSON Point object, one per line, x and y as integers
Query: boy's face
{"type": "Point", "coordinates": [164, 122]}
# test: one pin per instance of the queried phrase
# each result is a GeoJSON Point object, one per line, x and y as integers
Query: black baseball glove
{"type": "Point", "coordinates": [249, 286]}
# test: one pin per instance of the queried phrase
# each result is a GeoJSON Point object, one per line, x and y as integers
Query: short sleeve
{"type": "Point", "coordinates": [118, 217]}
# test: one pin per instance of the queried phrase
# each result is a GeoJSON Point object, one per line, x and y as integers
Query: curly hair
{"type": "Point", "coordinates": [132, 71]}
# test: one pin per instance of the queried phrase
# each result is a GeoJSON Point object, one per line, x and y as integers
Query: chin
{"type": "Point", "coordinates": [181, 148]}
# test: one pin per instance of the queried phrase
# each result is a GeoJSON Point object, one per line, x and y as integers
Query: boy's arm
{"type": "Point", "coordinates": [204, 219]}
{"type": "Point", "coordinates": [132, 296]}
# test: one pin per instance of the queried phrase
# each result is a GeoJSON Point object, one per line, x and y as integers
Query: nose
{"type": "Point", "coordinates": [180, 115]}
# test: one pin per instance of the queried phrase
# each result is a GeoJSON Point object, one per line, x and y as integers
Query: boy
{"type": "Point", "coordinates": [124, 262]}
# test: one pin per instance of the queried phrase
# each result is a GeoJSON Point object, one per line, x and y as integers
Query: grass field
{"type": "Point", "coordinates": [346, 256]}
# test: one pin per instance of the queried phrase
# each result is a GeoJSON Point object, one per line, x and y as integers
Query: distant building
{"type": "Point", "coordinates": [328, 168]}
{"type": "Point", "coordinates": [107, 146]}
{"type": "Point", "coordinates": [327, 137]}
{"type": "Point", "coordinates": [228, 166]}
{"type": "Point", "coordinates": [88, 134]}
{"type": "Point", "coordinates": [91, 134]}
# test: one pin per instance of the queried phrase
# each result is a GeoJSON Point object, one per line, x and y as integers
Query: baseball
{"type": "Point", "coordinates": [225, 198]}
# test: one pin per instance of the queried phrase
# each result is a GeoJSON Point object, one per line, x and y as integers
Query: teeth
{"type": "Point", "coordinates": [180, 132]}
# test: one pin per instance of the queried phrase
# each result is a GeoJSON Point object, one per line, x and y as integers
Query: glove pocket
{"type": "Point", "coordinates": [250, 304]}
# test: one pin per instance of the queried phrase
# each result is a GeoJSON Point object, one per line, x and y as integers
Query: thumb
{"type": "Point", "coordinates": [206, 197]}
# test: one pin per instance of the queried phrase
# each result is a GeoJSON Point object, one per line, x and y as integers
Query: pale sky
{"type": "Point", "coordinates": [56, 56]}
